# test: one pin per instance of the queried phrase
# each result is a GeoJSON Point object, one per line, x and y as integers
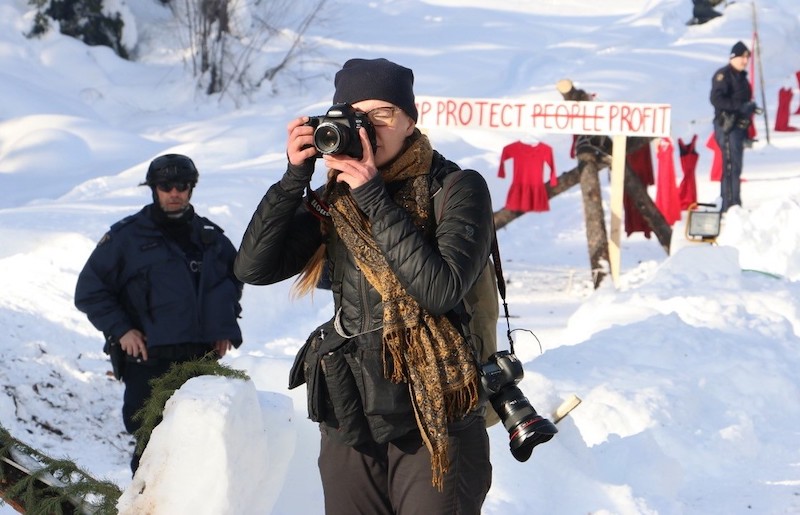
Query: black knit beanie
{"type": "Point", "coordinates": [739, 49]}
{"type": "Point", "coordinates": [376, 79]}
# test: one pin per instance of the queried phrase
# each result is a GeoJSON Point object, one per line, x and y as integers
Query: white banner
{"type": "Point", "coordinates": [601, 118]}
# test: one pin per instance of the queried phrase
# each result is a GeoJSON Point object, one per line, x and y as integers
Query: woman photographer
{"type": "Point", "coordinates": [402, 427]}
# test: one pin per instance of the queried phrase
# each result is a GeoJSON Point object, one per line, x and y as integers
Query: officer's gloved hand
{"type": "Point", "coordinates": [748, 109]}
{"type": "Point", "coordinates": [743, 123]}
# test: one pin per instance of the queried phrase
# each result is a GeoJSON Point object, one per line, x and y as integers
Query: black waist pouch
{"type": "Point", "coordinates": [307, 367]}
{"type": "Point", "coordinates": [381, 396]}
{"type": "Point", "coordinates": [332, 394]}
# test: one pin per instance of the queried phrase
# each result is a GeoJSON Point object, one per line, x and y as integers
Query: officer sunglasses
{"type": "Point", "coordinates": [166, 187]}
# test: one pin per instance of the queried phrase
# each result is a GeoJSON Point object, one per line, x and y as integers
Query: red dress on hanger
{"type": "Point", "coordinates": [782, 117]}
{"type": "Point", "coordinates": [687, 189]}
{"type": "Point", "coordinates": [641, 162]}
{"type": "Point", "coordinates": [527, 191]}
{"type": "Point", "coordinates": [716, 164]}
{"type": "Point", "coordinates": [667, 200]}
{"type": "Point", "coordinates": [798, 84]}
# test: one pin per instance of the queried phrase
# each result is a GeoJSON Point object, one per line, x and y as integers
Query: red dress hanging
{"type": "Point", "coordinates": [667, 200]}
{"type": "Point", "coordinates": [716, 164]}
{"type": "Point", "coordinates": [687, 189]}
{"type": "Point", "coordinates": [640, 162]}
{"type": "Point", "coordinates": [798, 85]}
{"type": "Point", "coordinates": [527, 191]}
{"type": "Point", "coordinates": [782, 117]}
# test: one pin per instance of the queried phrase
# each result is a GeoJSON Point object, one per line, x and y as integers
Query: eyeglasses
{"type": "Point", "coordinates": [382, 116]}
{"type": "Point", "coordinates": [166, 187]}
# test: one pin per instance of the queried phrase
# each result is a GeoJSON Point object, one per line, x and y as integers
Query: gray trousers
{"type": "Point", "coordinates": [395, 478]}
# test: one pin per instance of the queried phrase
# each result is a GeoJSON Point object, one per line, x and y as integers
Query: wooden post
{"type": "Point", "coordinates": [594, 219]}
{"type": "Point", "coordinates": [617, 191]}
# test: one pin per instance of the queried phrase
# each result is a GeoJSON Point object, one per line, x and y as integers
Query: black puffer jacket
{"type": "Point", "coordinates": [283, 234]}
{"type": "Point", "coordinates": [436, 270]}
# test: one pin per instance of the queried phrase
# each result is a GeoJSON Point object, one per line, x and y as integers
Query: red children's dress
{"type": "Point", "coordinates": [667, 199]}
{"type": "Point", "coordinates": [527, 191]}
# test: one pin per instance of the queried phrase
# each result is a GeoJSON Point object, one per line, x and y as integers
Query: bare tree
{"type": "Point", "coordinates": [236, 46]}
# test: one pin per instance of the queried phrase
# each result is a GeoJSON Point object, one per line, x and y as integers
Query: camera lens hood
{"type": "Point", "coordinates": [529, 434]}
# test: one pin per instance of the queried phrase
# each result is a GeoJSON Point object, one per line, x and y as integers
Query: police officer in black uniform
{"type": "Point", "coordinates": [731, 96]}
{"type": "Point", "coordinates": [160, 286]}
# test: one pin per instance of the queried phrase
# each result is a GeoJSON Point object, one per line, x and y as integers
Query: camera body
{"type": "Point", "coordinates": [526, 428]}
{"type": "Point", "coordinates": [336, 132]}
{"type": "Point", "coordinates": [503, 369]}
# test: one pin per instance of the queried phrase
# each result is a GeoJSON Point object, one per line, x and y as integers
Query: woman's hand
{"type": "Point", "coordinates": [300, 142]}
{"type": "Point", "coordinates": [354, 172]}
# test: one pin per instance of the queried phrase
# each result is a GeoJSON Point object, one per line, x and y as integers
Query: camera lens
{"type": "Point", "coordinates": [526, 428]}
{"type": "Point", "coordinates": [330, 139]}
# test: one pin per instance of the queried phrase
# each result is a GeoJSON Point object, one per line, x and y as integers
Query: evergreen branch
{"type": "Point", "coordinates": [43, 485]}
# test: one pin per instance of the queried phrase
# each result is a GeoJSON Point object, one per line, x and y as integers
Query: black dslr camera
{"type": "Point", "coordinates": [526, 428]}
{"type": "Point", "coordinates": [337, 131]}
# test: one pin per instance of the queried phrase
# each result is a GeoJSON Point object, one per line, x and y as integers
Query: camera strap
{"type": "Point", "coordinates": [501, 285]}
{"type": "Point", "coordinates": [498, 269]}
{"type": "Point", "coordinates": [316, 205]}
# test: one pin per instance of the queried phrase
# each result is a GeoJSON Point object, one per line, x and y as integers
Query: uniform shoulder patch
{"type": "Point", "coordinates": [115, 228]}
{"type": "Point", "coordinates": [719, 77]}
{"type": "Point", "coordinates": [208, 224]}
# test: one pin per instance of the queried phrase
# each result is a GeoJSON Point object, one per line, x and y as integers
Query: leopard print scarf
{"type": "Point", "coordinates": [424, 350]}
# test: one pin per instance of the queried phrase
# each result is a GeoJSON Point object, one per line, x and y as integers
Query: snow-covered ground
{"type": "Point", "coordinates": [687, 369]}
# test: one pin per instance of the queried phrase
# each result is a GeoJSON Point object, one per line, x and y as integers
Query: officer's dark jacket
{"type": "Point", "coordinates": [730, 90]}
{"type": "Point", "coordinates": [136, 278]}
{"type": "Point", "coordinates": [437, 271]}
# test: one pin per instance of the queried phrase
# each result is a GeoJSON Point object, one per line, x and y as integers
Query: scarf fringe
{"type": "Point", "coordinates": [455, 403]}
{"type": "Point", "coordinates": [439, 467]}
{"type": "Point", "coordinates": [394, 346]}
{"type": "Point", "coordinates": [461, 402]}
{"type": "Point", "coordinates": [438, 445]}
